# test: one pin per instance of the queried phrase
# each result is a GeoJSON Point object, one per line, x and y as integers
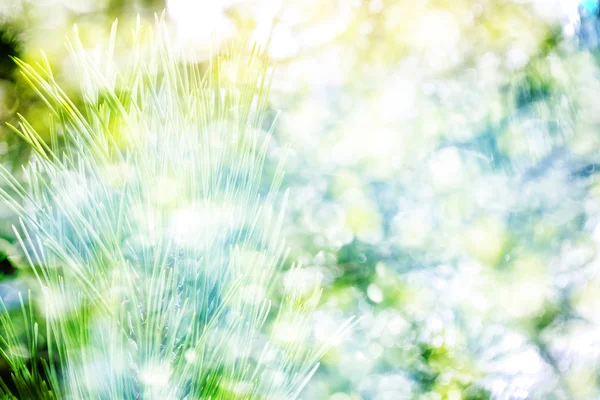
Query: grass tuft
{"type": "Point", "coordinates": [152, 234]}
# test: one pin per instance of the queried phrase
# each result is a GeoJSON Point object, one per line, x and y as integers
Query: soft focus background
{"type": "Point", "coordinates": [444, 165]}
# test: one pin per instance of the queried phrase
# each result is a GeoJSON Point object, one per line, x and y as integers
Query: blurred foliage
{"type": "Point", "coordinates": [442, 158]}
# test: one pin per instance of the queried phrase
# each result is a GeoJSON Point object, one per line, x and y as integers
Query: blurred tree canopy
{"type": "Point", "coordinates": [442, 160]}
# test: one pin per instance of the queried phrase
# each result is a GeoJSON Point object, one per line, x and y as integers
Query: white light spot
{"type": "Point", "coordinates": [288, 332]}
{"type": "Point", "coordinates": [301, 281]}
{"type": "Point", "coordinates": [156, 375]}
{"type": "Point", "coordinates": [55, 304]}
{"type": "Point", "coordinates": [253, 294]}
{"type": "Point", "coordinates": [202, 26]}
{"type": "Point", "coordinates": [446, 168]}
{"type": "Point", "coordinates": [190, 355]}
{"type": "Point", "coordinates": [375, 293]}
{"type": "Point", "coordinates": [517, 58]}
